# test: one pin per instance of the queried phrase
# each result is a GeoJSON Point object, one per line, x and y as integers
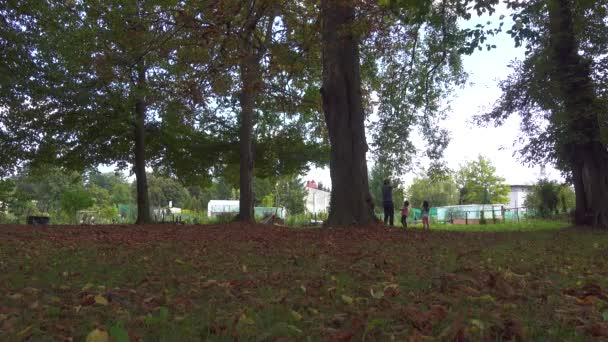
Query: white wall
{"type": "Point", "coordinates": [317, 201]}
{"type": "Point", "coordinates": [517, 197]}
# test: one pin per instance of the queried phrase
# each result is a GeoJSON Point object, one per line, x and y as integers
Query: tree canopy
{"type": "Point", "coordinates": [479, 183]}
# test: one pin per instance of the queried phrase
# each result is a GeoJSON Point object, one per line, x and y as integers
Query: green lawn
{"type": "Point", "coordinates": [178, 283]}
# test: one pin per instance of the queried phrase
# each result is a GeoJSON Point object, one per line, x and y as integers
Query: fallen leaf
{"type": "Point", "coordinates": [244, 268]}
{"type": "Point", "coordinates": [296, 315]}
{"type": "Point", "coordinates": [246, 320]}
{"type": "Point", "coordinates": [98, 336]}
{"type": "Point", "coordinates": [87, 286]}
{"type": "Point", "coordinates": [15, 296]}
{"type": "Point", "coordinates": [101, 300]}
{"type": "Point", "coordinates": [346, 299]}
{"type": "Point", "coordinates": [25, 331]}
{"type": "Point", "coordinates": [179, 261]}
{"type": "Point", "coordinates": [34, 305]}
{"type": "Point", "coordinates": [377, 295]}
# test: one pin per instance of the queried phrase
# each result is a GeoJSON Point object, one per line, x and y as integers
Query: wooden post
{"type": "Point", "coordinates": [466, 217]}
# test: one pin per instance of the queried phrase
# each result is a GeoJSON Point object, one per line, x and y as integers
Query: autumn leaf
{"type": "Point", "coordinates": [296, 315]}
{"type": "Point", "coordinates": [25, 331]}
{"type": "Point", "coordinates": [101, 300]}
{"type": "Point", "coordinates": [346, 299]}
{"type": "Point", "coordinates": [98, 336]}
{"type": "Point", "coordinates": [376, 294]}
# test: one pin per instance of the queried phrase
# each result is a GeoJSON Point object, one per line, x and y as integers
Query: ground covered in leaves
{"type": "Point", "coordinates": [224, 282]}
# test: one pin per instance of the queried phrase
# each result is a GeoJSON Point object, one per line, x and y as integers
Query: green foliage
{"type": "Point", "coordinates": [548, 198]}
{"type": "Point", "coordinates": [439, 192]}
{"type": "Point", "coordinates": [164, 189]}
{"type": "Point", "coordinates": [73, 200]}
{"type": "Point", "coordinates": [479, 183]}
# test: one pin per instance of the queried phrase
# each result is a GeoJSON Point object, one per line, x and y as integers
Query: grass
{"type": "Point", "coordinates": [167, 283]}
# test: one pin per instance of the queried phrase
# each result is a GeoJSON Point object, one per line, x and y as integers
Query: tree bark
{"type": "Point", "coordinates": [249, 70]}
{"type": "Point", "coordinates": [344, 116]}
{"type": "Point", "coordinates": [143, 204]}
{"type": "Point", "coordinates": [587, 154]}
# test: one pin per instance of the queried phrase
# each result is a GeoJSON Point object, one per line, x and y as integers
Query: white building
{"type": "Point", "coordinates": [317, 200]}
{"type": "Point", "coordinates": [518, 194]}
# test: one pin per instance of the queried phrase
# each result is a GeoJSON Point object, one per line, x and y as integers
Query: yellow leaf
{"type": "Point", "coordinates": [347, 299]}
{"type": "Point", "coordinates": [296, 315]}
{"type": "Point", "coordinates": [25, 331]}
{"type": "Point", "coordinates": [179, 261]}
{"type": "Point", "coordinates": [246, 320]}
{"type": "Point", "coordinates": [98, 336]}
{"type": "Point", "coordinates": [313, 311]}
{"type": "Point", "coordinates": [55, 299]}
{"type": "Point", "coordinates": [87, 286]}
{"type": "Point", "coordinates": [375, 294]}
{"type": "Point", "coordinates": [101, 300]}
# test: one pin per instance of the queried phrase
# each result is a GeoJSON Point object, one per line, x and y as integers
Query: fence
{"type": "Point", "coordinates": [469, 214]}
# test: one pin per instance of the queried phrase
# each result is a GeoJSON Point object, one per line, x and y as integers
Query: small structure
{"type": "Point", "coordinates": [231, 207]}
{"type": "Point", "coordinates": [518, 194]}
{"type": "Point", "coordinates": [317, 200]}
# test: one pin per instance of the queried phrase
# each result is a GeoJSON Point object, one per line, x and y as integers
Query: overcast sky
{"type": "Point", "coordinates": [485, 69]}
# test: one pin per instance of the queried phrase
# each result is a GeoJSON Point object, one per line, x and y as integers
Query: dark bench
{"type": "Point", "coordinates": [36, 220]}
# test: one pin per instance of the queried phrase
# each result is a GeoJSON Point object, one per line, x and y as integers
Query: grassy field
{"type": "Point", "coordinates": [225, 282]}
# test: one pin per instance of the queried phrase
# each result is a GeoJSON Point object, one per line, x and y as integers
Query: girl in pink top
{"type": "Point", "coordinates": [405, 212]}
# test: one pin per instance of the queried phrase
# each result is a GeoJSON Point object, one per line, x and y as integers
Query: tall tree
{"type": "Point", "coordinates": [344, 115]}
{"type": "Point", "coordinates": [560, 91]}
{"type": "Point", "coordinates": [481, 184]}
{"type": "Point", "coordinates": [439, 192]}
{"type": "Point", "coordinates": [344, 25]}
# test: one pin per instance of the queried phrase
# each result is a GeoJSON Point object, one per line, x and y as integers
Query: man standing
{"type": "Point", "coordinates": [387, 202]}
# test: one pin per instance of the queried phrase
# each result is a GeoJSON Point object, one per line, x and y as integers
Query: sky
{"type": "Point", "coordinates": [485, 69]}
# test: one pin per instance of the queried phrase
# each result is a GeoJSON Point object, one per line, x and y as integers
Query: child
{"type": "Point", "coordinates": [405, 212]}
{"type": "Point", "coordinates": [425, 215]}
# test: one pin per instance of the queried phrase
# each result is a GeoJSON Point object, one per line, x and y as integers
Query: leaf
{"type": "Point", "coordinates": [346, 299]}
{"type": "Point", "coordinates": [15, 296]}
{"type": "Point", "coordinates": [179, 261]}
{"type": "Point", "coordinates": [377, 295]}
{"type": "Point", "coordinates": [87, 287]}
{"type": "Point", "coordinates": [296, 315]}
{"type": "Point", "coordinates": [246, 320]}
{"type": "Point", "coordinates": [98, 336]}
{"type": "Point", "coordinates": [605, 315]}
{"type": "Point", "coordinates": [119, 334]}
{"type": "Point", "coordinates": [25, 331]}
{"type": "Point", "coordinates": [101, 300]}
{"type": "Point", "coordinates": [163, 314]}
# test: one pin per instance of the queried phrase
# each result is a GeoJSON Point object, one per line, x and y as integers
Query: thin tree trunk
{"type": "Point", "coordinates": [344, 116]}
{"type": "Point", "coordinates": [588, 155]}
{"type": "Point", "coordinates": [249, 72]}
{"type": "Point", "coordinates": [143, 204]}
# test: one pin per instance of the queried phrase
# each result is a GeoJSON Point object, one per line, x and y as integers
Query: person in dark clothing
{"type": "Point", "coordinates": [387, 202]}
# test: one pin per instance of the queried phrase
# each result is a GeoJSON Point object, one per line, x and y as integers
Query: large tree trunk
{"type": "Point", "coordinates": [344, 115]}
{"type": "Point", "coordinates": [143, 204]}
{"type": "Point", "coordinates": [249, 78]}
{"type": "Point", "coordinates": [588, 156]}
